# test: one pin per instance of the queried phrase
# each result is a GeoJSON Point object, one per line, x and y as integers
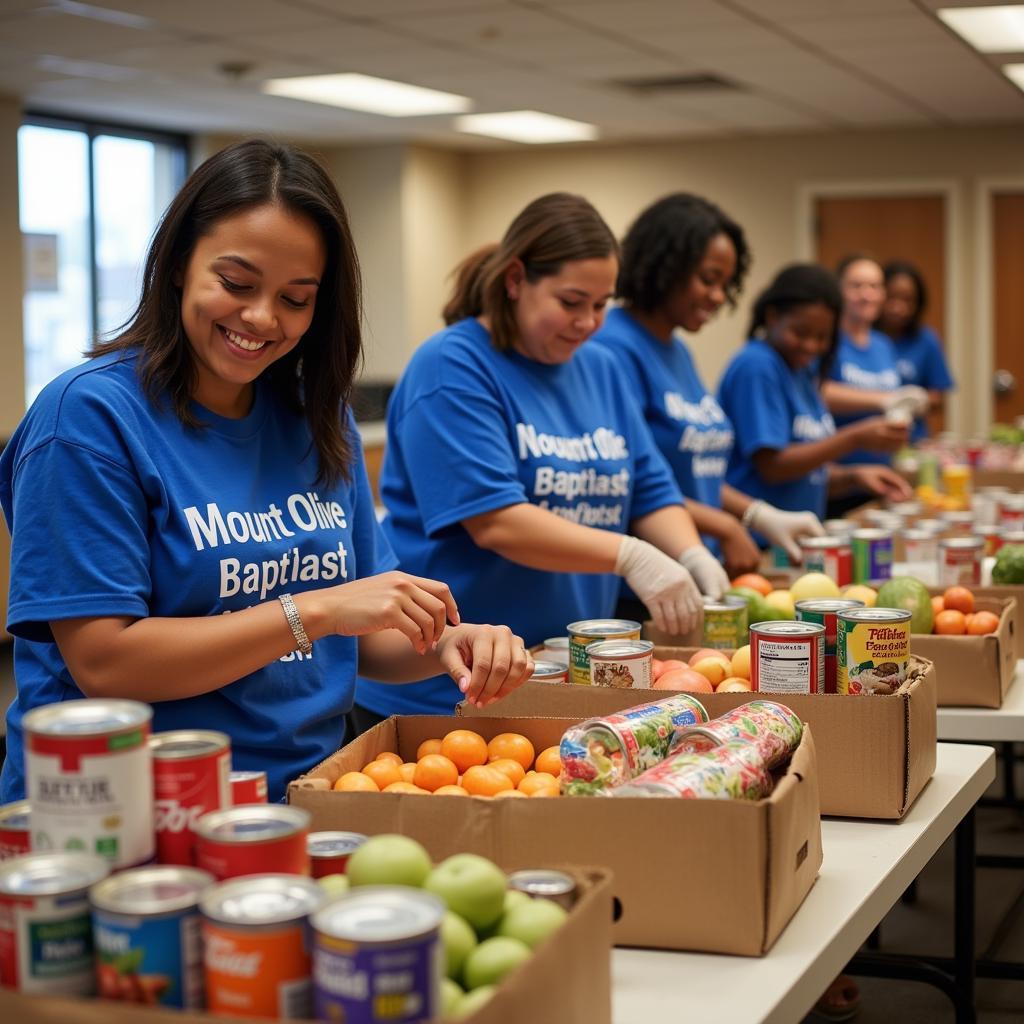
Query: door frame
{"type": "Point", "coordinates": [957, 419]}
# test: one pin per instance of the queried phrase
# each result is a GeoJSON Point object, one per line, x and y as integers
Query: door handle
{"type": "Point", "coordinates": [1004, 382]}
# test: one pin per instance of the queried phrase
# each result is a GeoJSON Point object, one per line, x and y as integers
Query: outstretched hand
{"type": "Point", "coordinates": [487, 662]}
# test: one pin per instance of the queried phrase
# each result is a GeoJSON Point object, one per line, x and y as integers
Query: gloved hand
{"type": "Point", "coordinates": [783, 528]}
{"type": "Point", "coordinates": [706, 570]}
{"type": "Point", "coordinates": [664, 586]}
{"type": "Point", "coordinates": [909, 398]}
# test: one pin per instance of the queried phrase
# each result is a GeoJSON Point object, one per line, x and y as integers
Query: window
{"type": "Point", "coordinates": [90, 197]}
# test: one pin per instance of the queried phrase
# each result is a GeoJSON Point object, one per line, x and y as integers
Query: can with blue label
{"type": "Point", "coordinates": [146, 931]}
{"type": "Point", "coordinates": [872, 555]}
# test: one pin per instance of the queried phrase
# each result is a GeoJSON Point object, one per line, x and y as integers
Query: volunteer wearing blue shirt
{"type": "Point", "coordinates": [682, 260]}
{"type": "Point", "coordinates": [205, 462]}
{"type": "Point", "coordinates": [787, 444]}
{"type": "Point", "coordinates": [919, 356]}
{"type": "Point", "coordinates": [518, 464]}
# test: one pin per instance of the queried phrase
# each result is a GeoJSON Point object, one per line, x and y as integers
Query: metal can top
{"type": "Point", "coordinates": [557, 643]}
{"type": "Point", "coordinates": [240, 776]}
{"type": "Point", "coordinates": [548, 669]}
{"type": "Point", "coordinates": [918, 534]}
{"type": "Point", "coordinates": [59, 873]}
{"type": "Point", "coordinates": [90, 717]}
{"type": "Point", "coordinates": [839, 527]}
{"type": "Point", "coordinates": [989, 529]}
{"type": "Point", "coordinates": [787, 628]}
{"type": "Point", "coordinates": [262, 899]}
{"type": "Point", "coordinates": [161, 889]}
{"type": "Point", "coordinates": [251, 823]}
{"type": "Point", "coordinates": [543, 883]}
{"type": "Point", "coordinates": [333, 844]}
{"type": "Point", "coordinates": [603, 628]}
{"type": "Point", "coordinates": [380, 913]}
{"type": "Point", "coordinates": [823, 543]}
{"type": "Point", "coordinates": [875, 615]}
{"type": "Point", "coordinates": [827, 604]}
{"type": "Point", "coordinates": [958, 517]}
{"type": "Point", "coordinates": [931, 525]}
{"type": "Point", "coordinates": [187, 743]}
{"type": "Point", "coordinates": [16, 816]}
{"type": "Point", "coordinates": [727, 603]}
{"type": "Point", "coordinates": [1014, 501]}
{"type": "Point", "coordinates": [906, 508]}
{"type": "Point", "coordinates": [619, 649]}
{"type": "Point", "coordinates": [962, 542]}
{"type": "Point", "coordinates": [873, 534]}
{"type": "Point", "coordinates": [882, 517]}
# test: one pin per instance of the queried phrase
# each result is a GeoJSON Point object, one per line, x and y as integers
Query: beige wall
{"type": "Point", "coordinates": [12, 352]}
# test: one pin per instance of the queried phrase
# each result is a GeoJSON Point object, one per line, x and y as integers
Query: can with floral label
{"type": "Point", "coordinates": [725, 623]}
{"type": "Point", "coordinates": [787, 657]}
{"type": "Point", "coordinates": [872, 650]}
{"type": "Point", "coordinates": [773, 728]}
{"type": "Point", "coordinates": [621, 664]}
{"type": "Point", "coordinates": [588, 631]}
{"type": "Point", "coordinates": [732, 771]}
{"type": "Point", "coordinates": [960, 561]}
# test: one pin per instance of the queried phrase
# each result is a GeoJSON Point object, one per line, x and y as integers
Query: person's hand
{"type": "Point", "coordinates": [706, 570]}
{"type": "Point", "coordinates": [487, 662]}
{"type": "Point", "coordinates": [785, 528]}
{"type": "Point", "coordinates": [664, 586]}
{"type": "Point", "coordinates": [883, 481]}
{"type": "Point", "coordinates": [881, 434]}
{"type": "Point", "coordinates": [910, 399]}
{"type": "Point", "coordinates": [740, 552]}
{"type": "Point", "coordinates": [413, 605]}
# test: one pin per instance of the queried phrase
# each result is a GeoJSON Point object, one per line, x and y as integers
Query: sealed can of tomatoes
{"type": "Point", "coordinates": [588, 631]}
{"type": "Point", "coordinates": [872, 650]}
{"type": "Point", "coordinates": [960, 561]}
{"type": "Point", "coordinates": [190, 777]}
{"type": "Point", "coordinates": [256, 951]}
{"type": "Point", "coordinates": [146, 930]}
{"type": "Point", "coordinates": [329, 851]}
{"type": "Point", "coordinates": [89, 778]}
{"type": "Point", "coordinates": [725, 623]}
{"type": "Point", "coordinates": [15, 829]}
{"type": "Point", "coordinates": [832, 556]}
{"type": "Point", "coordinates": [872, 555]}
{"type": "Point", "coordinates": [732, 771]}
{"type": "Point", "coordinates": [773, 728]}
{"type": "Point", "coordinates": [248, 788]}
{"type": "Point", "coordinates": [621, 664]}
{"type": "Point", "coordinates": [824, 611]}
{"type": "Point", "coordinates": [45, 927]}
{"type": "Point", "coordinates": [378, 956]}
{"type": "Point", "coordinates": [543, 884]}
{"type": "Point", "coordinates": [549, 672]}
{"type": "Point", "coordinates": [787, 657]}
{"type": "Point", "coordinates": [253, 839]}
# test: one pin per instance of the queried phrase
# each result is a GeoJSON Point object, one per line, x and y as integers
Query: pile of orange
{"type": "Point", "coordinates": [955, 615]}
{"type": "Point", "coordinates": [463, 763]}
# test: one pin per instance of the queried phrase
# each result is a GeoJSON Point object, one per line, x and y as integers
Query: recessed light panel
{"type": "Point", "coordinates": [531, 126]}
{"type": "Point", "coordinates": [368, 94]}
{"type": "Point", "coordinates": [988, 29]}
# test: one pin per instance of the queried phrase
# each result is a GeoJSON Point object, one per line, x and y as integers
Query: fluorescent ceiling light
{"type": "Point", "coordinates": [988, 29]}
{"type": "Point", "coordinates": [373, 95]}
{"type": "Point", "coordinates": [91, 11]}
{"type": "Point", "coordinates": [526, 126]}
{"type": "Point", "coordinates": [1015, 73]}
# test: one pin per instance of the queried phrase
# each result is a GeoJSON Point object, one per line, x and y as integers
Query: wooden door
{"type": "Point", "coordinates": [890, 228]}
{"type": "Point", "coordinates": [1008, 301]}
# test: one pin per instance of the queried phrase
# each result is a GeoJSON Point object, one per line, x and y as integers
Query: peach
{"type": "Point", "coordinates": [684, 679]}
{"type": "Point", "coordinates": [733, 684]}
{"type": "Point", "coordinates": [707, 652]}
{"type": "Point", "coordinates": [713, 669]}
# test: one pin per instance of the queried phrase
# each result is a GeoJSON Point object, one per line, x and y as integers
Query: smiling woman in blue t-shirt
{"type": "Point", "coordinates": [204, 462]}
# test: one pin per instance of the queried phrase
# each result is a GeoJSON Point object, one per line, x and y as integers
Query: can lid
{"type": "Point", "coordinates": [91, 716]}
{"type": "Point", "coordinates": [154, 890]}
{"type": "Point", "coordinates": [52, 874]}
{"type": "Point", "coordinates": [541, 882]}
{"type": "Point", "coordinates": [786, 627]}
{"type": "Point", "coordinates": [380, 913]}
{"type": "Point", "coordinates": [185, 743]}
{"type": "Point", "coordinates": [557, 642]}
{"type": "Point", "coordinates": [619, 648]}
{"type": "Point", "coordinates": [251, 823]}
{"type": "Point", "coordinates": [547, 669]}
{"type": "Point", "coordinates": [602, 627]}
{"type": "Point", "coordinates": [823, 542]}
{"type": "Point", "coordinates": [962, 542]}
{"type": "Point", "coordinates": [876, 615]}
{"type": "Point", "coordinates": [245, 776]}
{"type": "Point", "coordinates": [16, 816]}
{"type": "Point", "coordinates": [873, 534]}
{"type": "Point", "coordinates": [827, 604]}
{"type": "Point", "coordinates": [723, 604]}
{"type": "Point", "coordinates": [333, 844]}
{"type": "Point", "coordinates": [262, 899]}
{"type": "Point", "coordinates": [919, 534]}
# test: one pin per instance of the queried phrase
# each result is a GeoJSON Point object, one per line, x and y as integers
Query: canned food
{"type": "Point", "coordinates": [377, 956]}
{"type": "Point", "coordinates": [15, 827]}
{"type": "Point", "coordinates": [725, 623]}
{"type": "Point", "coordinates": [986, 503]}
{"type": "Point", "coordinates": [882, 519]}
{"type": "Point", "coordinates": [146, 929]}
{"type": "Point", "coordinates": [1012, 537]}
{"type": "Point", "coordinates": [906, 509]}
{"type": "Point", "coordinates": [992, 537]}
{"type": "Point", "coordinates": [549, 672]}
{"type": "Point", "coordinates": [556, 648]}
{"type": "Point", "coordinates": [256, 949]}
{"type": "Point", "coordinates": [787, 657]}
{"type": "Point", "coordinates": [920, 545]}
{"type": "Point", "coordinates": [824, 611]}
{"type": "Point", "coordinates": [960, 561]}
{"type": "Point", "coordinates": [621, 664]}
{"type": "Point", "coordinates": [603, 752]}
{"type": "Point", "coordinates": [588, 631]}
{"type": "Point", "coordinates": [1011, 511]}
{"type": "Point", "coordinates": [958, 522]}
{"type": "Point", "coordinates": [248, 788]}
{"type": "Point", "coordinates": [190, 777]}
{"type": "Point", "coordinates": [839, 527]}
{"type": "Point", "coordinates": [832, 556]}
{"type": "Point", "coordinates": [89, 778]}
{"type": "Point", "coordinates": [329, 851]}
{"type": "Point", "coordinates": [933, 526]}
{"type": "Point", "coordinates": [872, 650]}
{"type": "Point", "coordinates": [45, 928]}
{"type": "Point", "coordinates": [773, 728]}
{"type": "Point", "coordinates": [541, 884]}
{"type": "Point", "coordinates": [733, 771]}
{"type": "Point", "coordinates": [253, 839]}
{"type": "Point", "coordinates": [872, 555]}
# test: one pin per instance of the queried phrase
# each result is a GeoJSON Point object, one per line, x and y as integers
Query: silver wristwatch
{"type": "Point", "coordinates": [291, 613]}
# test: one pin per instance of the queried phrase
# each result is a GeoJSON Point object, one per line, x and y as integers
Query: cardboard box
{"type": "Point", "coordinates": [571, 980]}
{"type": "Point", "coordinates": [764, 855]}
{"type": "Point", "coordinates": [875, 754]}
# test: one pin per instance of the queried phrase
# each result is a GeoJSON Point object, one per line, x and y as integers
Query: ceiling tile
{"type": "Point", "coordinates": [205, 18]}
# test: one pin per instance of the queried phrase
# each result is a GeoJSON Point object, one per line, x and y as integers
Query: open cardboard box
{"type": "Point", "coordinates": [875, 754]}
{"type": "Point", "coordinates": [568, 978]}
{"type": "Point", "coordinates": [762, 856]}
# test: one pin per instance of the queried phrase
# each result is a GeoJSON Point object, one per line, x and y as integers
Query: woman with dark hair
{"type": "Point", "coordinates": [787, 445]}
{"type": "Point", "coordinates": [919, 356]}
{"type": "Point", "coordinates": [205, 461]}
{"type": "Point", "coordinates": [682, 260]}
{"type": "Point", "coordinates": [518, 466]}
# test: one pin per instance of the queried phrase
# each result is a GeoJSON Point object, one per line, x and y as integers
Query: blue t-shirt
{"type": "Point", "coordinates": [872, 368]}
{"type": "Point", "coordinates": [472, 430]}
{"type": "Point", "coordinates": [773, 406]}
{"type": "Point", "coordinates": [118, 509]}
{"type": "Point", "coordinates": [921, 361]}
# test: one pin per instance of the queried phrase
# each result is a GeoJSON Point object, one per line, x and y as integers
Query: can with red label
{"type": "Point", "coordinates": [920, 545]}
{"type": "Point", "coordinates": [960, 561]}
{"type": "Point", "coordinates": [1011, 511]}
{"type": "Point", "coordinates": [992, 536]}
{"type": "Point", "coordinates": [190, 777]}
{"type": "Point", "coordinates": [832, 556]}
{"type": "Point", "coordinates": [253, 839]}
{"type": "Point", "coordinates": [15, 829]}
{"type": "Point", "coordinates": [959, 522]}
{"type": "Point", "coordinates": [248, 788]}
{"type": "Point", "coordinates": [824, 611]}
{"type": "Point", "coordinates": [329, 851]}
{"type": "Point", "coordinates": [787, 657]}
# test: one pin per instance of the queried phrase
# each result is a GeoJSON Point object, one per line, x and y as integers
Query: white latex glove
{"type": "Point", "coordinates": [783, 528]}
{"type": "Point", "coordinates": [908, 399]}
{"type": "Point", "coordinates": [664, 586]}
{"type": "Point", "coordinates": [706, 570]}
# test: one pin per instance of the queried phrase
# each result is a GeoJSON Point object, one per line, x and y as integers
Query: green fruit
{"type": "Point", "coordinates": [334, 885]}
{"type": "Point", "coordinates": [471, 886]}
{"type": "Point", "coordinates": [492, 960]}
{"type": "Point", "coordinates": [513, 898]}
{"type": "Point", "coordinates": [389, 860]}
{"type": "Point", "coordinates": [472, 1001]}
{"type": "Point", "coordinates": [532, 922]}
{"type": "Point", "coordinates": [451, 996]}
{"type": "Point", "coordinates": [758, 610]}
{"type": "Point", "coordinates": [459, 940]}
{"type": "Point", "coordinates": [912, 596]}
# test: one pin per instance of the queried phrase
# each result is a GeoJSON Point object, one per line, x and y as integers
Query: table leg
{"type": "Point", "coordinates": [964, 915]}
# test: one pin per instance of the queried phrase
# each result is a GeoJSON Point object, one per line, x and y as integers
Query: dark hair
{"type": "Point", "coordinates": [854, 257]}
{"type": "Point", "coordinates": [665, 244]}
{"type": "Point", "coordinates": [902, 268]}
{"type": "Point", "coordinates": [316, 376]}
{"type": "Point", "coordinates": [553, 230]}
{"type": "Point", "coordinates": [800, 284]}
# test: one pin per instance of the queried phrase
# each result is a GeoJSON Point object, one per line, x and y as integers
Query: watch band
{"type": "Point", "coordinates": [291, 613]}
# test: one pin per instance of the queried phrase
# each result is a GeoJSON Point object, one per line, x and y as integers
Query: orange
{"type": "Point", "coordinates": [408, 770]}
{"type": "Point", "coordinates": [513, 769]}
{"type": "Point", "coordinates": [549, 761]}
{"type": "Point", "coordinates": [428, 747]}
{"type": "Point", "coordinates": [483, 780]}
{"type": "Point", "coordinates": [513, 745]}
{"type": "Point", "coordinates": [509, 792]}
{"type": "Point", "coordinates": [450, 791]}
{"type": "Point", "coordinates": [434, 771]}
{"type": "Point", "coordinates": [983, 623]}
{"type": "Point", "coordinates": [465, 748]}
{"type": "Point", "coordinates": [389, 755]}
{"type": "Point", "coordinates": [383, 772]}
{"type": "Point", "coordinates": [755, 581]}
{"type": "Point", "coordinates": [958, 599]}
{"type": "Point", "coordinates": [546, 791]}
{"type": "Point", "coordinates": [950, 623]}
{"type": "Point", "coordinates": [534, 784]}
{"type": "Point", "coordinates": [404, 787]}
{"type": "Point", "coordinates": [938, 605]}
{"type": "Point", "coordinates": [356, 782]}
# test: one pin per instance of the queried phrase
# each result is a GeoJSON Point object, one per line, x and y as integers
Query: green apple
{"type": "Point", "coordinates": [472, 1001]}
{"type": "Point", "coordinates": [459, 940]}
{"type": "Point", "coordinates": [532, 922]}
{"type": "Point", "coordinates": [513, 898]}
{"type": "Point", "coordinates": [492, 960]}
{"type": "Point", "coordinates": [389, 860]}
{"type": "Point", "coordinates": [334, 885]}
{"type": "Point", "coordinates": [470, 885]}
{"type": "Point", "coordinates": [451, 996]}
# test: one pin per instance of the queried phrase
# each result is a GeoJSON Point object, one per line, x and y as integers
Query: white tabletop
{"type": "Point", "coordinates": [987, 724]}
{"type": "Point", "coordinates": [867, 865]}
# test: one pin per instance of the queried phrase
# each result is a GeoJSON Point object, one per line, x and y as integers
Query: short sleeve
{"type": "Point", "coordinates": [756, 404]}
